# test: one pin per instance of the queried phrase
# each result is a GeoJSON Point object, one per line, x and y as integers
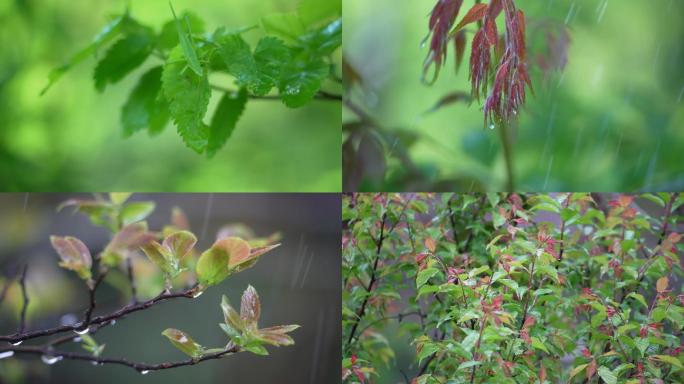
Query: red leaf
{"type": "Point", "coordinates": [476, 13]}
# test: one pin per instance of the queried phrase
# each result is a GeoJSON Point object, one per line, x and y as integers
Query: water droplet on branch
{"type": "Point", "coordinates": [49, 360]}
{"type": "Point", "coordinates": [4, 355]}
{"type": "Point", "coordinates": [144, 372]}
{"type": "Point", "coordinates": [82, 331]}
{"type": "Point", "coordinates": [17, 343]}
{"type": "Point", "coordinates": [197, 294]}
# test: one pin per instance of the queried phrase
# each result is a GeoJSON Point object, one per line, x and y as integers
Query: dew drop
{"type": "Point", "coordinates": [4, 355]}
{"type": "Point", "coordinates": [17, 343]}
{"type": "Point", "coordinates": [49, 360]}
{"type": "Point", "coordinates": [82, 331]}
{"type": "Point", "coordinates": [144, 372]}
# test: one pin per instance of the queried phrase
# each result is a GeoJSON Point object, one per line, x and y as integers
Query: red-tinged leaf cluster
{"type": "Point", "coordinates": [442, 19]}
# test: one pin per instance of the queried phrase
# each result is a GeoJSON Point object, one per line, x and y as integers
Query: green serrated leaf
{"type": "Point", "coordinates": [188, 95]}
{"type": "Point", "coordinates": [225, 119]}
{"type": "Point", "coordinates": [270, 56]}
{"type": "Point", "coordinates": [669, 360]}
{"type": "Point", "coordinates": [425, 275]}
{"type": "Point", "coordinates": [607, 375]}
{"type": "Point", "coordinates": [146, 107]}
{"type": "Point", "coordinates": [301, 80]}
{"type": "Point", "coordinates": [325, 40]}
{"type": "Point", "coordinates": [538, 344]}
{"type": "Point", "coordinates": [427, 350]}
{"type": "Point", "coordinates": [123, 56]}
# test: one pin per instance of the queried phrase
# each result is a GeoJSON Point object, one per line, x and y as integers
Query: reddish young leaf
{"type": "Point", "coordinates": [476, 13]}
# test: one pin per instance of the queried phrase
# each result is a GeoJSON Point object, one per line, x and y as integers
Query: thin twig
{"type": "Point", "coordinates": [321, 95]}
{"type": "Point", "coordinates": [91, 291]}
{"type": "Point", "coordinates": [140, 367]}
{"type": "Point", "coordinates": [122, 312]}
{"type": "Point", "coordinates": [24, 293]}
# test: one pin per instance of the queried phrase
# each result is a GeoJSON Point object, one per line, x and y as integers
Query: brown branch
{"type": "Point", "coordinates": [24, 293]}
{"type": "Point", "coordinates": [321, 95]}
{"type": "Point", "coordinates": [122, 312]}
{"type": "Point", "coordinates": [140, 367]}
{"type": "Point", "coordinates": [92, 288]}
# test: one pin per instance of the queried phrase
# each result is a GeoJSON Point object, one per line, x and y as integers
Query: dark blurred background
{"type": "Point", "coordinates": [70, 139]}
{"type": "Point", "coordinates": [299, 283]}
{"type": "Point", "coordinates": [612, 121]}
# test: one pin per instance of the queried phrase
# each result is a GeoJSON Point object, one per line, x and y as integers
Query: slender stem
{"type": "Point", "coordinates": [24, 293]}
{"type": "Point", "coordinates": [131, 308]}
{"type": "Point", "coordinates": [505, 135]}
{"type": "Point", "coordinates": [321, 95]}
{"type": "Point", "coordinates": [140, 367]}
{"type": "Point", "coordinates": [91, 291]}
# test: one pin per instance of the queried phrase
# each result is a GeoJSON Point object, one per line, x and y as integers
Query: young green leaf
{"type": "Point", "coordinates": [133, 212]}
{"type": "Point", "coordinates": [183, 342]}
{"type": "Point", "coordinates": [168, 255]}
{"type": "Point", "coordinates": [128, 239]}
{"type": "Point", "coordinates": [230, 315]}
{"type": "Point", "coordinates": [315, 11]}
{"type": "Point", "coordinates": [188, 95]}
{"type": "Point", "coordinates": [74, 254]}
{"type": "Point", "coordinates": [122, 57]}
{"type": "Point", "coordinates": [119, 198]}
{"type": "Point", "coordinates": [324, 41]}
{"type": "Point", "coordinates": [146, 107]}
{"type": "Point", "coordinates": [225, 119]}
{"type": "Point", "coordinates": [186, 43]}
{"type": "Point", "coordinates": [270, 56]}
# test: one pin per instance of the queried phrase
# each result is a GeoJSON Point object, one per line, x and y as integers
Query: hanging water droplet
{"type": "Point", "coordinates": [492, 126]}
{"type": "Point", "coordinates": [95, 363]}
{"type": "Point", "coordinates": [17, 343]}
{"type": "Point", "coordinates": [4, 355]}
{"type": "Point", "coordinates": [49, 360]}
{"type": "Point", "coordinates": [77, 339]}
{"type": "Point", "coordinates": [82, 331]}
{"type": "Point", "coordinates": [144, 372]}
{"type": "Point", "coordinates": [113, 322]}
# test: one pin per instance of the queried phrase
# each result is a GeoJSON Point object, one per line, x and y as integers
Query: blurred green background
{"type": "Point", "coordinates": [298, 283]}
{"type": "Point", "coordinates": [614, 120]}
{"type": "Point", "coordinates": [71, 139]}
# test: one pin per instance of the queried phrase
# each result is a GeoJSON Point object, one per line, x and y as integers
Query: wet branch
{"type": "Point", "coordinates": [140, 367]}
{"type": "Point", "coordinates": [122, 312]}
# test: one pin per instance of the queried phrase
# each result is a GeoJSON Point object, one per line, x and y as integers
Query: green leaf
{"type": "Point", "coordinates": [469, 364]}
{"type": "Point", "coordinates": [183, 342]}
{"type": "Point", "coordinates": [119, 197]}
{"type": "Point", "coordinates": [314, 11]}
{"type": "Point", "coordinates": [669, 360]}
{"type": "Point", "coordinates": [225, 257]}
{"type": "Point", "coordinates": [324, 41]}
{"type": "Point", "coordinates": [237, 56]}
{"type": "Point", "coordinates": [137, 211]}
{"type": "Point", "coordinates": [225, 119]}
{"type": "Point", "coordinates": [301, 80]}
{"type": "Point", "coordinates": [255, 348]}
{"type": "Point", "coordinates": [537, 344]}
{"type": "Point", "coordinates": [577, 370]}
{"type": "Point", "coordinates": [477, 271]}
{"type": "Point", "coordinates": [185, 39]}
{"type": "Point", "coordinates": [146, 107]}
{"type": "Point", "coordinates": [425, 275]}
{"type": "Point", "coordinates": [122, 57]}
{"type": "Point", "coordinates": [639, 297]}
{"type": "Point", "coordinates": [270, 56]}
{"type": "Point", "coordinates": [607, 375]}
{"type": "Point", "coordinates": [107, 34]}
{"type": "Point", "coordinates": [188, 96]}
{"type": "Point", "coordinates": [426, 350]}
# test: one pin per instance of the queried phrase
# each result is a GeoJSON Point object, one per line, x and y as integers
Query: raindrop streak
{"type": "Point", "coordinates": [26, 201]}
{"type": "Point", "coordinates": [49, 360]}
{"type": "Point", "coordinates": [17, 343]}
{"type": "Point", "coordinates": [82, 331]}
{"type": "Point", "coordinates": [205, 223]}
{"type": "Point", "coordinates": [602, 10]}
{"type": "Point", "coordinates": [145, 372]}
{"type": "Point", "coordinates": [4, 355]}
{"type": "Point", "coordinates": [681, 94]}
